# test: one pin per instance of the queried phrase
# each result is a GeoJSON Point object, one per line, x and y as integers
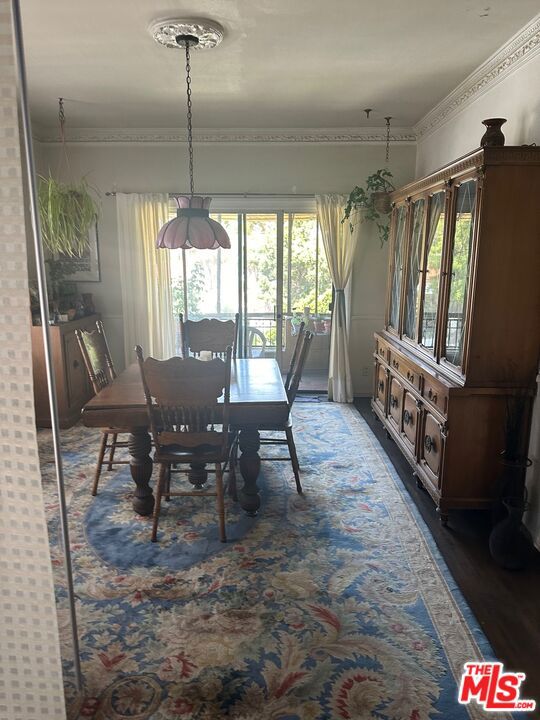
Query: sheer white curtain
{"type": "Point", "coordinates": [145, 275]}
{"type": "Point", "coordinates": [339, 245]}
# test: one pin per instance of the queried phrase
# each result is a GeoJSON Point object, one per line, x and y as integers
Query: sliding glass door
{"type": "Point", "coordinates": [275, 276]}
{"type": "Point", "coordinates": [262, 291]}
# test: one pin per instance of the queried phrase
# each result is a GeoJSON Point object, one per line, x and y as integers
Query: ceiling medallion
{"type": "Point", "coordinates": [208, 33]}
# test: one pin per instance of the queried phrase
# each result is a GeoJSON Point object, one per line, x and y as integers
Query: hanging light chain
{"type": "Point", "coordinates": [61, 117]}
{"type": "Point", "coordinates": [388, 118]}
{"type": "Point", "coordinates": [189, 118]}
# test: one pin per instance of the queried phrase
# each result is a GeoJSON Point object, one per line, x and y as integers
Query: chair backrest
{"type": "Point", "coordinates": [255, 350]}
{"type": "Point", "coordinates": [96, 356]}
{"type": "Point", "coordinates": [297, 346]}
{"type": "Point", "coordinates": [208, 335]}
{"type": "Point", "coordinates": [183, 400]}
{"type": "Point", "coordinates": [296, 376]}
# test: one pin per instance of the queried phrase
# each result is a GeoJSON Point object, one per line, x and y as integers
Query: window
{"type": "Point", "coordinates": [274, 275]}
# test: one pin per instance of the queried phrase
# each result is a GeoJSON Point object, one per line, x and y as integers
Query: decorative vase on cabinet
{"type": "Point", "coordinates": [461, 334]}
{"type": "Point", "coordinates": [494, 136]}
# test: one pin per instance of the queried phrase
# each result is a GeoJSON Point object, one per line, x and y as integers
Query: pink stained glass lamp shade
{"type": "Point", "coordinates": [192, 227]}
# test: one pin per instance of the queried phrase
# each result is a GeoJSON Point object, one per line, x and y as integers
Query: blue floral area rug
{"type": "Point", "coordinates": [334, 604]}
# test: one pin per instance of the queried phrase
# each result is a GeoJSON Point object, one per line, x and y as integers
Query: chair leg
{"type": "Point", "coordinates": [168, 485]}
{"type": "Point", "coordinates": [159, 492]}
{"type": "Point", "coordinates": [294, 459]}
{"type": "Point", "coordinates": [220, 503]}
{"type": "Point", "coordinates": [101, 455]}
{"type": "Point", "coordinates": [111, 454]}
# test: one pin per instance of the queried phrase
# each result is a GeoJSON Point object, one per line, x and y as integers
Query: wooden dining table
{"type": "Point", "coordinates": [257, 398]}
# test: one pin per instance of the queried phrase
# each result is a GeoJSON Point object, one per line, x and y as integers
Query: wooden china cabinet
{"type": "Point", "coordinates": [462, 330]}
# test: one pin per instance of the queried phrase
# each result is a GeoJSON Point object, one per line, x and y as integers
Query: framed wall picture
{"type": "Point", "coordinates": [84, 268]}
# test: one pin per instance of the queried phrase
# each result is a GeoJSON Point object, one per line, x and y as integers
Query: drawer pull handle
{"type": "Point", "coordinates": [381, 385]}
{"type": "Point", "coordinates": [394, 402]}
{"type": "Point", "coordinates": [410, 376]}
{"type": "Point", "coordinates": [429, 444]}
{"type": "Point", "coordinates": [407, 417]}
{"type": "Point", "coordinates": [395, 364]}
{"type": "Point", "coordinates": [431, 395]}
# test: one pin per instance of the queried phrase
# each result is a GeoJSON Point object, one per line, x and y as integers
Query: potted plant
{"type": "Point", "coordinates": [509, 540]}
{"type": "Point", "coordinates": [66, 213]}
{"type": "Point", "coordinates": [374, 200]}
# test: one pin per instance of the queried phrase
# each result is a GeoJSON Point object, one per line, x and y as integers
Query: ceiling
{"type": "Point", "coordinates": [282, 64]}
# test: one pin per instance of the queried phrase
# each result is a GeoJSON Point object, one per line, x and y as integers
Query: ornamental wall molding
{"type": "Point", "coordinates": [173, 135]}
{"type": "Point", "coordinates": [521, 48]}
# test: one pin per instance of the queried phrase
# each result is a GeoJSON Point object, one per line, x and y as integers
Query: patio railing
{"type": "Point", "coordinates": [264, 324]}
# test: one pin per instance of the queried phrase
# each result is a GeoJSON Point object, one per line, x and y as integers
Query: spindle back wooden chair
{"type": "Point", "coordinates": [96, 356]}
{"type": "Point", "coordinates": [188, 409]}
{"type": "Point", "coordinates": [208, 335]}
{"type": "Point", "coordinates": [286, 427]}
{"type": "Point", "coordinates": [298, 370]}
{"type": "Point", "coordinates": [297, 346]}
{"type": "Point", "coordinates": [100, 368]}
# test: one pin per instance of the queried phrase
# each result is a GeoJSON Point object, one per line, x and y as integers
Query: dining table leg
{"type": "Point", "coordinates": [198, 475]}
{"type": "Point", "coordinates": [140, 446]}
{"type": "Point", "coordinates": [250, 465]}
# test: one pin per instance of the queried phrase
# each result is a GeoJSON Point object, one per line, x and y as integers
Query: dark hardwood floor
{"type": "Point", "coordinates": [506, 604]}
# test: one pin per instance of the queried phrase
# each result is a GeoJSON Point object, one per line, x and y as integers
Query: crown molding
{"type": "Point", "coordinates": [521, 48]}
{"type": "Point", "coordinates": [172, 135]}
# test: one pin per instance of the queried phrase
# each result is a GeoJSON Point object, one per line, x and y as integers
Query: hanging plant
{"type": "Point", "coordinates": [66, 213]}
{"type": "Point", "coordinates": [374, 200]}
{"type": "Point", "coordinates": [68, 210]}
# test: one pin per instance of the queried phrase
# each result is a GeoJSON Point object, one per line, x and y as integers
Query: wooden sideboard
{"type": "Point", "coordinates": [462, 330]}
{"type": "Point", "coordinates": [72, 385]}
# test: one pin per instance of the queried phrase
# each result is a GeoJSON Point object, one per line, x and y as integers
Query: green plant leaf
{"type": "Point", "coordinates": [360, 198]}
{"type": "Point", "coordinates": [66, 214]}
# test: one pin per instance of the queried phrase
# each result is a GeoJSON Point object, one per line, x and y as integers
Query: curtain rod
{"type": "Point", "coordinates": [243, 195]}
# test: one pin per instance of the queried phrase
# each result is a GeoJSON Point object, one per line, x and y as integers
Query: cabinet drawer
{"type": "Point", "coordinates": [395, 401]}
{"type": "Point", "coordinates": [409, 420]}
{"type": "Point", "coordinates": [379, 391]}
{"type": "Point", "coordinates": [382, 349]}
{"type": "Point", "coordinates": [406, 369]}
{"type": "Point", "coordinates": [436, 393]}
{"type": "Point", "coordinates": [431, 447]}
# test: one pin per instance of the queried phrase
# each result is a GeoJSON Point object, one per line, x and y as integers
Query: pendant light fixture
{"type": "Point", "coordinates": [192, 227]}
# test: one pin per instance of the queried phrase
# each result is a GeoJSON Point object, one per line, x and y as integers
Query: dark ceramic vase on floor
{"type": "Point", "coordinates": [493, 137]}
{"type": "Point", "coordinates": [509, 541]}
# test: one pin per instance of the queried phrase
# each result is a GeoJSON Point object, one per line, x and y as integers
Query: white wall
{"type": "Point", "coordinates": [517, 98]}
{"type": "Point", "coordinates": [237, 168]}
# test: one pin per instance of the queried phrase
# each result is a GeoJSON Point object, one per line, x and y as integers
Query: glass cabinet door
{"type": "Point", "coordinates": [459, 271]}
{"type": "Point", "coordinates": [432, 269]}
{"type": "Point", "coordinates": [413, 286]}
{"type": "Point", "coordinates": [397, 267]}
